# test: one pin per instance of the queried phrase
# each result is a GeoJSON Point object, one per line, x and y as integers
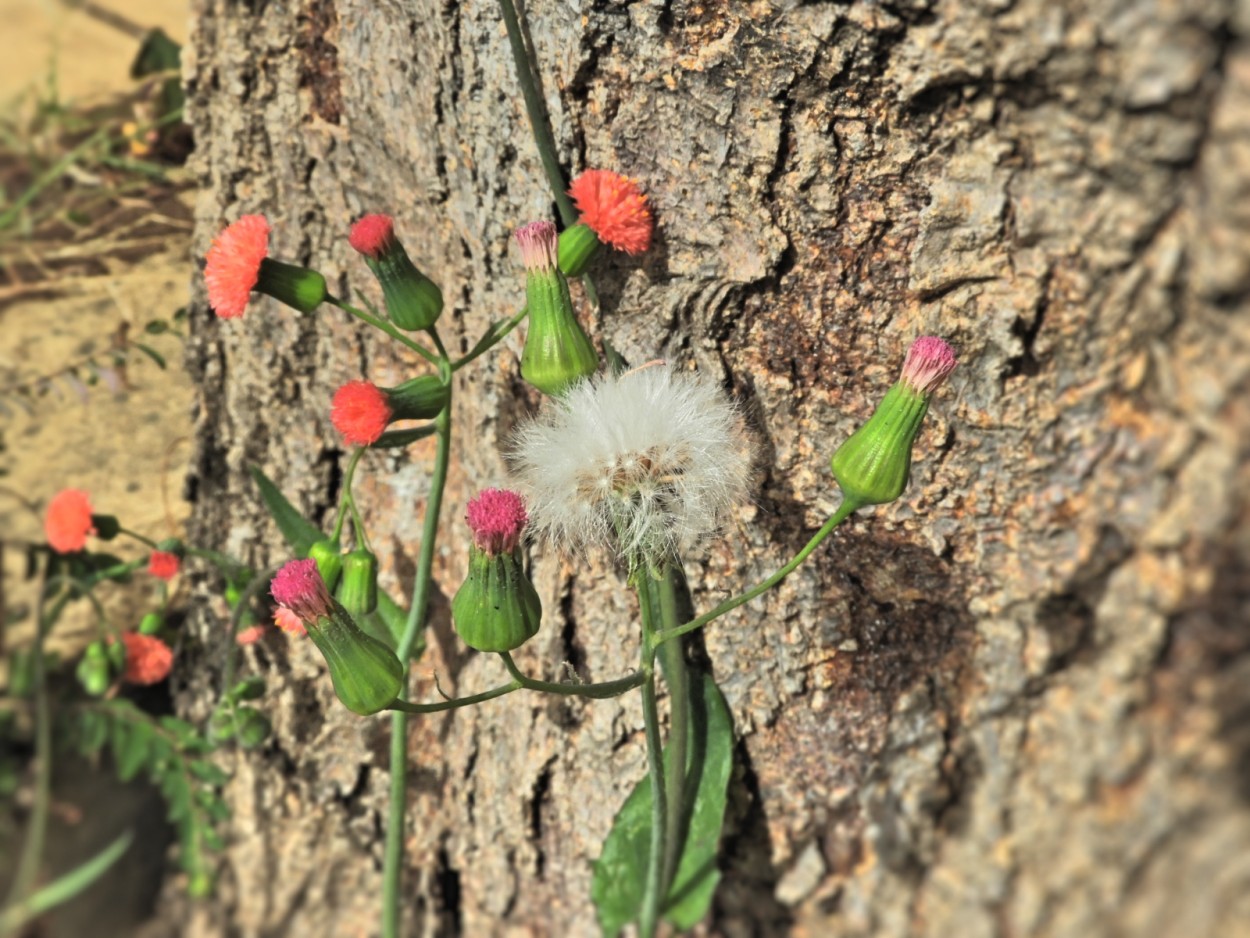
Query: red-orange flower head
{"type": "Point", "coordinates": [163, 565]}
{"type": "Point", "coordinates": [299, 587]}
{"type": "Point", "coordinates": [496, 517]}
{"type": "Point", "coordinates": [614, 208]}
{"type": "Point", "coordinates": [372, 235]}
{"type": "Point", "coordinates": [288, 621]}
{"type": "Point", "coordinates": [233, 265]}
{"type": "Point", "coordinates": [148, 659]}
{"type": "Point", "coordinates": [360, 412]}
{"type": "Point", "coordinates": [68, 522]}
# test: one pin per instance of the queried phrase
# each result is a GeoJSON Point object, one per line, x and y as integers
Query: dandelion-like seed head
{"type": "Point", "coordinates": [233, 265]}
{"type": "Point", "coordinates": [645, 462]}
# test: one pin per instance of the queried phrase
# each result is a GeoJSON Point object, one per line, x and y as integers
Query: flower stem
{"type": "Point", "coordinates": [677, 677]}
{"type": "Point", "coordinates": [406, 707]}
{"type": "Point", "coordinates": [597, 691]}
{"type": "Point", "coordinates": [539, 124]}
{"type": "Point", "coordinates": [844, 511]}
{"type": "Point", "coordinates": [386, 327]}
{"type": "Point", "coordinates": [393, 858]}
{"type": "Point", "coordinates": [653, 894]}
{"type": "Point", "coordinates": [485, 345]}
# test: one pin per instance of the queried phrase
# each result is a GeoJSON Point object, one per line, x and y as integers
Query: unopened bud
{"type": "Point", "coordinates": [413, 300]}
{"type": "Point", "coordinates": [557, 350]}
{"type": "Point", "coordinates": [358, 591]}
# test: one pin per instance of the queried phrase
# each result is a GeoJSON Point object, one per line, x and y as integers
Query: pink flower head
{"type": "Point", "coordinates": [288, 621]}
{"type": "Point", "coordinates": [251, 635]}
{"type": "Point", "coordinates": [929, 361]}
{"type": "Point", "coordinates": [148, 659]}
{"type": "Point", "coordinates": [299, 587]}
{"type": "Point", "coordinates": [372, 235]}
{"type": "Point", "coordinates": [360, 411]}
{"type": "Point", "coordinates": [68, 521]}
{"type": "Point", "coordinates": [496, 517]}
{"type": "Point", "coordinates": [163, 565]}
{"type": "Point", "coordinates": [538, 243]}
{"type": "Point", "coordinates": [233, 265]}
{"type": "Point", "coordinates": [614, 208]}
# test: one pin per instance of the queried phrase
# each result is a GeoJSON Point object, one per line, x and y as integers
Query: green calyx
{"type": "Point", "coordinates": [298, 287]}
{"type": "Point", "coordinates": [106, 527]}
{"type": "Point", "coordinates": [366, 674]}
{"type": "Point", "coordinates": [419, 399]}
{"type": "Point", "coordinates": [873, 466]}
{"type": "Point", "coordinates": [497, 608]}
{"type": "Point", "coordinates": [329, 561]}
{"type": "Point", "coordinates": [413, 300]}
{"type": "Point", "coordinates": [578, 246]}
{"type": "Point", "coordinates": [557, 351]}
{"type": "Point", "coordinates": [359, 589]}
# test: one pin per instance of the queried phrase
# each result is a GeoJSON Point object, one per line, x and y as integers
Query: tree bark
{"type": "Point", "coordinates": [1012, 703]}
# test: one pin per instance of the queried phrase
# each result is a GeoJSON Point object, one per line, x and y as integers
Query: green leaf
{"type": "Point", "coordinates": [207, 772]}
{"type": "Point", "coordinates": [130, 749]}
{"type": "Point", "coordinates": [299, 533]}
{"type": "Point", "coordinates": [250, 688]}
{"type": "Point", "coordinates": [397, 439]}
{"type": "Point", "coordinates": [93, 732]}
{"type": "Point", "coordinates": [620, 873]}
{"type": "Point", "coordinates": [64, 888]}
{"type": "Point", "coordinates": [393, 617]}
{"type": "Point", "coordinates": [151, 353]}
{"type": "Point", "coordinates": [252, 727]}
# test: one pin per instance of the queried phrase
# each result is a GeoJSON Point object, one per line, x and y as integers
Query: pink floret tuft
{"type": "Point", "coordinates": [496, 517]}
{"type": "Point", "coordinates": [233, 265]}
{"type": "Point", "coordinates": [372, 235]}
{"type": "Point", "coordinates": [298, 586]}
{"type": "Point", "coordinates": [538, 243]}
{"type": "Point", "coordinates": [614, 208]}
{"type": "Point", "coordinates": [360, 412]}
{"type": "Point", "coordinates": [929, 361]}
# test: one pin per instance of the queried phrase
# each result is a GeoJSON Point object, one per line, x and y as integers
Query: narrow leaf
{"type": "Point", "coordinates": [397, 439]}
{"type": "Point", "coordinates": [299, 532]}
{"type": "Point", "coordinates": [151, 353]}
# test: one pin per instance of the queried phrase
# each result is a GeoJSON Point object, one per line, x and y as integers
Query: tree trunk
{"type": "Point", "coordinates": [1012, 703]}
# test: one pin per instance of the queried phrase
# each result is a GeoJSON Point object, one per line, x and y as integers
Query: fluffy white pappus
{"type": "Point", "coordinates": [645, 463]}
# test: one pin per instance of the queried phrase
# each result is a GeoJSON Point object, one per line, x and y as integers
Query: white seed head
{"type": "Point", "coordinates": [646, 462]}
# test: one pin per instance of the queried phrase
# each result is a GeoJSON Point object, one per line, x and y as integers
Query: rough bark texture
{"type": "Point", "coordinates": [1014, 702]}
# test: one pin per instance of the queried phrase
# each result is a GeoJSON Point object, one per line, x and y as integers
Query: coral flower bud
{"type": "Point", "coordinates": [238, 263]}
{"type": "Point", "coordinates": [163, 565]}
{"type": "Point", "coordinates": [874, 465]}
{"type": "Point", "coordinates": [413, 301]}
{"type": "Point", "coordinates": [68, 521]}
{"type": "Point", "coordinates": [288, 621]}
{"type": "Point", "coordinates": [497, 608]}
{"type": "Point", "coordinates": [148, 659]}
{"type": "Point", "coordinates": [614, 208]}
{"type": "Point", "coordinates": [557, 351]}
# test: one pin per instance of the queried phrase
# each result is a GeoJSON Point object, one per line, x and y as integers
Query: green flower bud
{"type": "Point", "coordinates": [413, 301]}
{"type": "Point", "coordinates": [578, 246]}
{"type": "Point", "coordinates": [150, 624]}
{"type": "Point", "coordinates": [107, 527]}
{"type": "Point", "coordinates": [358, 592]}
{"type": "Point", "coordinates": [557, 350]}
{"type": "Point", "coordinates": [873, 466]}
{"type": "Point", "coordinates": [93, 670]}
{"type": "Point", "coordinates": [329, 561]}
{"type": "Point", "coordinates": [419, 399]}
{"type": "Point", "coordinates": [497, 608]}
{"type": "Point", "coordinates": [298, 287]}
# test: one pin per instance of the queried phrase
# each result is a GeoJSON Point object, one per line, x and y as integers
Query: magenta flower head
{"type": "Point", "coordinates": [874, 465]}
{"type": "Point", "coordinates": [496, 517]}
{"type": "Point", "coordinates": [497, 608]}
{"type": "Point", "coordinates": [413, 300]}
{"type": "Point", "coordinates": [557, 350]}
{"type": "Point", "coordinates": [366, 674]}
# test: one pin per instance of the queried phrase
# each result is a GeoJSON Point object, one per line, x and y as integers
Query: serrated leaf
{"type": "Point", "coordinates": [151, 353]}
{"type": "Point", "coordinates": [298, 531]}
{"type": "Point", "coordinates": [620, 873]}
{"type": "Point", "coordinates": [131, 754]}
{"type": "Point", "coordinates": [182, 730]}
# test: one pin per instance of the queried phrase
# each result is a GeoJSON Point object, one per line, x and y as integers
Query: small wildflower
{"type": "Point", "coordinates": [148, 659]}
{"type": "Point", "coordinates": [359, 411]}
{"type": "Point", "coordinates": [289, 622]}
{"type": "Point", "coordinates": [413, 300]}
{"type": "Point", "coordinates": [614, 208]}
{"type": "Point", "coordinates": [68, 521]}
{"type": "Point", "coordinates": [496, 517]}
{"type": "Point", "coordinates": [873, 466]}
{"type": "Point", "coordinates": [233, 264]}
{"type": "Point", "coordinates": [372, 235]}
{"type": "Point", "coordinates": [299, 587]}
{"type": "Point", "coordinates": [163, 565]}
{"type": "Point", "coordinates": [250, 636]}
{"type": "Point", "coordinates": [645, 462]}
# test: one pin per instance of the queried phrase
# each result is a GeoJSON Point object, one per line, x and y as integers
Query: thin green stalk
{"type": "Point", "coordinates": [595, 691]}
{"type": "Point", "coordinates": [482, 348]}
{"type": "Point", "coordinates": [539, 125]}
{"type": "Point", "coordinates": [653, 894]}
{"type": "Point", "coordinates": [145, 541]}
{"type": "Point", "coordinates": [677, 677]}
{"type": "Point", "coordinates": [393, 858]}
{"type": "Point", "coordinates": [844, 511]}
{"type": "Point", "coordinates": [382, 324]}
{"type": "Point", "coordinates": [459, 702]}
{"type": "Point", "coordinates": [347, 503]}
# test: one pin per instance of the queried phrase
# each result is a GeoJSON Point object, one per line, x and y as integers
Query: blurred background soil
{"type": "Point", "coordinates": [95, 226]}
